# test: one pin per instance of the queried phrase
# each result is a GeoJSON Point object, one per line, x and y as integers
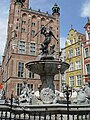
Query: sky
{"type": "Point", "coordinates": [72, 12]}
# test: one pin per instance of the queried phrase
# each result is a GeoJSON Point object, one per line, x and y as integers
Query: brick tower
{"type": "Point", "coordinates": [21, 46]}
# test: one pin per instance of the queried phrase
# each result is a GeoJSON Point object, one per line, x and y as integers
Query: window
{"type": "Point", "coordinates": [51, 28]}
{"type": "Point", "coordinates": [74, 40]}
{"type": "Point", "coordinates": [86, 52]}
{"type": "Point", "coordinates": [19, 88]}
{"type": "Point", "coordinates": [78, 65]}
{"type": "Point", "coordinates": [88, 68]}
{"type": "Point", "coordinates": [16, 27]}
{"type": "Point", "coordinates": [22, 47]}
{"type": "Point", "coordinates": [63, 81]}
{"type": "Point", "coordinates": [23, 22]}
{"type": "Point", "coordinates": [31, 74]}
{"type": "Point", "coordinates": [32, 48]}
{"type": "Point", "coordinates": [77, 51]}
{"type": "Point", "coordinates": [30, 86]}
{"type": "Point", "coordinates": [71, 68]}
{"type": "Point", "coordinates": [79, 80]}
{"type": "Point", "coordinates": [33, 32]}
{"type": "Point", "coordinates": [72, 80]}
{"type": "Point", "coordinates": [70, 53]}
{"type": "Point", "coordinates": [42, 26]}
{"type": "Point", "coordinates": [23, 30]}
{"type": "Point", "coordinates": [71, 41]}
{"type": "Point", "coordinates": [13, 34]}
{"type": "Point", "coordinates": [20, 69]}
{"type": "Point", "coordinates": [33, 24]}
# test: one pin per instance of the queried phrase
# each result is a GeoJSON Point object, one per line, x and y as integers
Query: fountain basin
{"type": "Point", "coordinates": [49, 67]}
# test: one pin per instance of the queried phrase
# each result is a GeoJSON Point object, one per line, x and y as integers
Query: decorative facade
{"type": "Point", "coordinates": [86, 51]}
{"type": "Point", "coordinates": [74, 57]}
{"type": "Point", "coordinates": [22, 47]}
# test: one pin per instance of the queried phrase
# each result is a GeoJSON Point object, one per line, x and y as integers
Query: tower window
{"type": "Point", "coordinates": [17, 27]}
{"type": "Point", "coordinates": [33, 32]}
{"type": "Point", "coordinates": [19, 88]}
{"type": "Point", "coordinates": [23, 22]}
{"type": "Point", "coordinates": [30, 74]}
{"type": "Point", "coordinates": [15, 35]}
{"type": "Point", "coordinates": [33, 24]}
{"type": "Point", "coordinates": [22, 47]}
{"type": "Point", "coordinates": [20, 69]}
{"type": "Point", "coordinates": [30, 86]}
{"type": "Point", "coordinates": [23, 30]}
{"type": "Point", "coordinates": [32, 48]}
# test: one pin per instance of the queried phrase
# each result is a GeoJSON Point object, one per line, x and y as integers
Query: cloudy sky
{"type": "Point", "coordinates": [72, 12]}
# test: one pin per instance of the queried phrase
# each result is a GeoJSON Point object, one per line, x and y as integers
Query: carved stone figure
{"type": "Point", "coordinates": [26, 94]}
{"type": "Point", "coordinates": [48, 34]}
{"type": "Point", "coordinates": [47, 95]}
{"type": "Point", "coordinates": [57, 98]}
{"type": "Point", "coordinates": [87, 90]}
{"type": "Point", "coordinates": [81, 98]}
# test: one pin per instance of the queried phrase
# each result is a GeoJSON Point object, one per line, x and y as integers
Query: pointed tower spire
{"type": "Point", "coordinates": [25, 3]}
{"type": "Point", "coordinates": [55, 9]}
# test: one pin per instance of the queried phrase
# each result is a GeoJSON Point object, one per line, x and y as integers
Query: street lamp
{"type": "Point", "coordinates": [67, 94]}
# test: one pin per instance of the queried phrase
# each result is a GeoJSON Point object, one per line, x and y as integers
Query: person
{"type": "Point", "coordinates": [48, 34]}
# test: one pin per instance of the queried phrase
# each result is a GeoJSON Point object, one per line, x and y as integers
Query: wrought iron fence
{"type": "Point", "coordinates": [44, 112]}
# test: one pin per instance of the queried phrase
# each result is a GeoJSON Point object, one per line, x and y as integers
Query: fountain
{"type": "Point", "coordinates": [47, 66]}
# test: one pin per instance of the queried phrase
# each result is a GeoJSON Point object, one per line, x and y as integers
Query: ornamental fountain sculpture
{"type": "Point", "coordinates": [47, 67]}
